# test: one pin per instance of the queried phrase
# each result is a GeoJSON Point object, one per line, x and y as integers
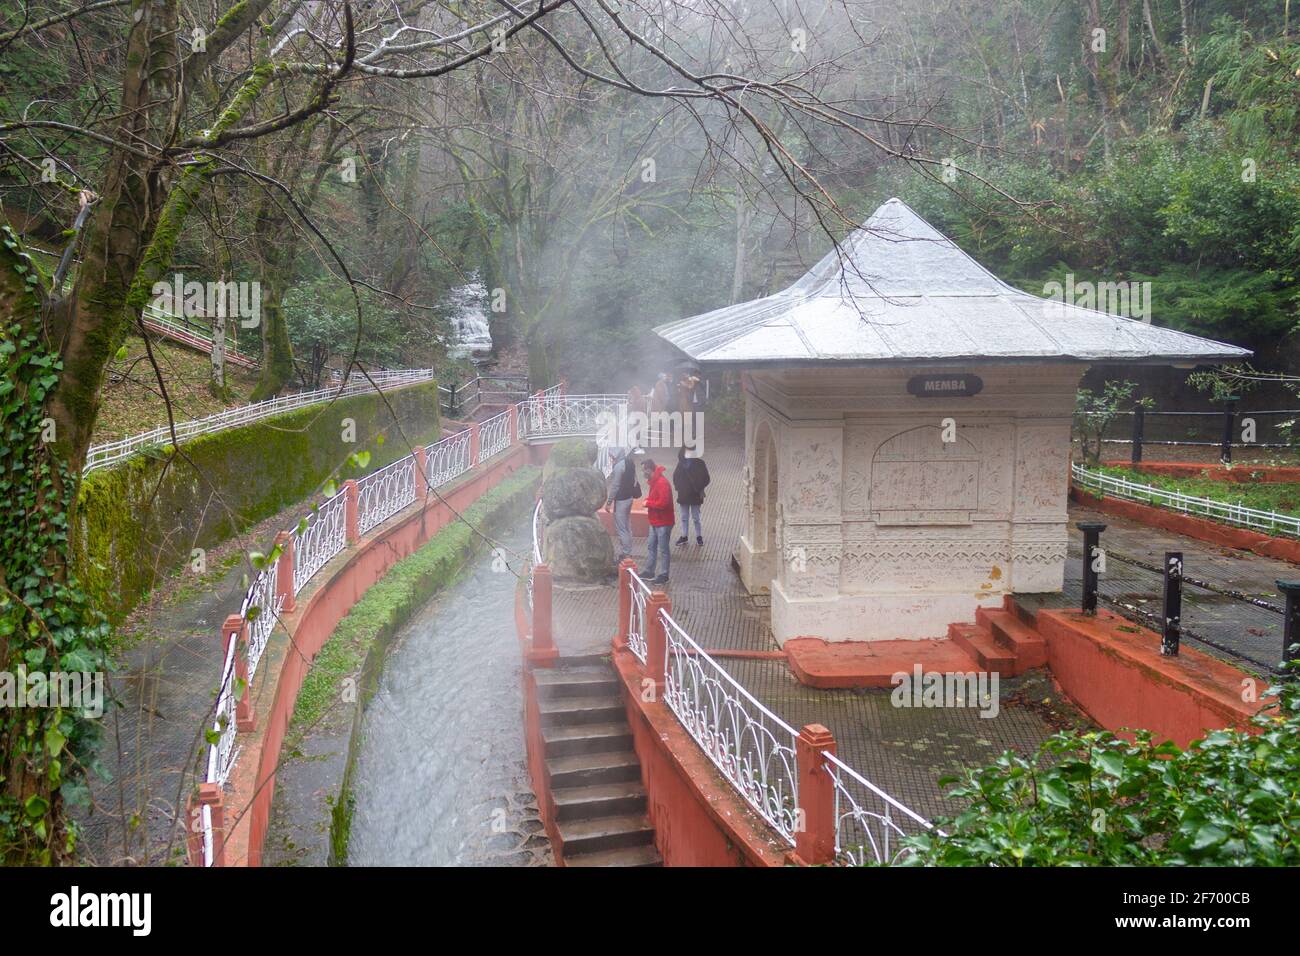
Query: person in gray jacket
{"type": "Point", "coordinates": [622, 491]}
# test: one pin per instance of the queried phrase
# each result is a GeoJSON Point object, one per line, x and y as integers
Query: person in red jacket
{"type": "Point", "coordinates": [659, 509]}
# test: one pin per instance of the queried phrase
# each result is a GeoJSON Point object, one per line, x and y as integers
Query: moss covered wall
{"type": "Point", "coordinates": [141, 519]}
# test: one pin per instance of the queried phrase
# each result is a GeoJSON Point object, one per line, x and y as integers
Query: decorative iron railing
{"type": "Point", "coordinates": [260, 610]}
{"type": "Point", "coordinates": [448, 458]}
{"type": "Point", "coordinates": [869, 823]}
{"type": "Point", "coordinates": [639, 593]}
{"type": "Point", "coordinates": [318, 538]}
{"type": "Point", "coordinates": [109, 453]}
{"type": "Point", "coordinates": [384, 493]}
{"type": "Point", "coordinates": [562, 416]}
{"type": "Point", "coordinates": [539, 546]}
{"type": "Point", "coordinates": [1224, 511]}
{"type": "Point", "coordinates": [751, 746]}
{"type": "Point", "coordinates": [323, 535]}
{"type": "Point", "coordinates": [493, 436]}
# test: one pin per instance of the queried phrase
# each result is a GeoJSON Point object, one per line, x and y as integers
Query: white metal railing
{"type": "Point", "coordinates": [639, 591]}
{"type": "Point", "coordinates": [323, 534]}
{"type": "Point", "coordinates": [1237, 514]}
{"type": "Point", "coordinates": [260, 609]}
{"type": "Point", "coordinates": [448, 458]}
{"type": "Point", "coordinates": [493, 436]}
{"type": "Point", "coordinates": [167, 324]}
{"type": "Point", "coordinates": [539, 533]}
{"type": "Point", "coordinates": [318, 538]}
{"type": "Point", "coordinates": [869, 823]}
{"type": "Point", "coordinates": [561, 416]}
{"type": "Point", "coordinates": [109, 453]}
{"type": "Point", "coordinates": [385, 492]}
{"type": "Point", "coordinates": [751, 746]}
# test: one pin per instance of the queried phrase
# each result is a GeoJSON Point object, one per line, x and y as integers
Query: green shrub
{"type": "Point", "coordinates": [1093, 799]}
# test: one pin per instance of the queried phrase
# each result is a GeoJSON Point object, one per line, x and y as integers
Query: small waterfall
{"type": "Point", "coordinates": [468, 304]}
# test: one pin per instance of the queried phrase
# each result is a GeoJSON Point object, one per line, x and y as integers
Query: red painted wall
{"type": "Point", "coordinates": [1120, 679]}
{"type": "Point", "coordinates": [321, 605]}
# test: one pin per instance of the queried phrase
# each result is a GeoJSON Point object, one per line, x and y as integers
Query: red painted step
{"type": "Point", "coordinates": [1023, 641]}
{"type": "Point", "coordinates": [978, 642]}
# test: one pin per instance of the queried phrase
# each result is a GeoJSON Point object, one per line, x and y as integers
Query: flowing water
{"type": "Point", "coordinates": [441, 776]}
{"type": "Point", "coordinates": [468, 316]}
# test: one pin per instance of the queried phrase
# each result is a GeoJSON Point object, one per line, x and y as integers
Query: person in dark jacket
{"type": "Point", "coordinates": [623, 490]}
{"type": "Point", "coordinates": [690, 478]}
{"type": "Point", "coordinates": [659, 509]}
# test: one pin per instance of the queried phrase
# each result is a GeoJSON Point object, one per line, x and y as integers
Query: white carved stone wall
{"type": "Point", "coordinates": [885, 530]}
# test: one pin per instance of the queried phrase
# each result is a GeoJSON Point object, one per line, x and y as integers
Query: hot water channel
{"type": "Point", "coordinates": [441, 776]}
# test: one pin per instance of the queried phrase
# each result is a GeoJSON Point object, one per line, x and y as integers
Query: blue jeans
{"type": "Point", "coordinates": [687, 511]}
{"type": "Point", "coordinates": [658, 539]}
{"type": "Point", "coordinates": [623, 525]}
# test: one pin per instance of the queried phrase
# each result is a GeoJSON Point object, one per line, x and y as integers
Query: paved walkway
{"type": "Point", "coordinates": [901, 750]}
{"type": "Point", "coordinates": [905, 750]}
{"type": "Point", "coordinates": [1233, 629]}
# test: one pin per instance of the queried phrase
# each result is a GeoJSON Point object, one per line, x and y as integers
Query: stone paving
{"type": "Point", "coordinates": [901, 750]}
{"type": "Point", "coordinates": [1241, 633]}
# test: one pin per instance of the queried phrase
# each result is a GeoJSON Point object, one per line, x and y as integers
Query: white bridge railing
{"type": "Point", "coordinates": [110, 453]}
{"type": "Point", "coordinates": [1237, 514]}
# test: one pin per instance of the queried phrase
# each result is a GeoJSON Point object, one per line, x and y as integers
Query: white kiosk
{"type": "Point", "coordinates": [907, 431]}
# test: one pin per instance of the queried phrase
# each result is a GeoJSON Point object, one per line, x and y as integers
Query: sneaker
{"type": "Point", "coordinates": [662, 579]}
{"type": "Point", "coordinates": [681, 540]}
{"type": "Point", "coordinates": [699, 540]}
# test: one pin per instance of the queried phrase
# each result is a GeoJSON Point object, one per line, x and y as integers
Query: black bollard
{"type": "Point", "coordinates": [1091, 533]}
{"type": "Point", "coordinates": [1290, 626]}
{"type": "Point", "coordinates": [1139, 423]}
{"type": "Point", "coordinates": [1229, 419]}
{"type": "Point", "coordinates": [1173, 604]}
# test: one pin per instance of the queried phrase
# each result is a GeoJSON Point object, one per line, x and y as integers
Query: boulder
{"type": "Point", "coordinates": [573, 492]}
{"type": "Point", "coordinates": [579, 549]}
{"type": "Point", "coordinates": [569, 453]}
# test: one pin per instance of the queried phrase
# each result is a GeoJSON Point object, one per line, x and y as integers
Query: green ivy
{"type": "Point", "coordinates": [47, 623]}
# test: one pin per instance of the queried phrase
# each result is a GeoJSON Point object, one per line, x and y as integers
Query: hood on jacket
{"type": "Point", "coordinates": [659, 470]}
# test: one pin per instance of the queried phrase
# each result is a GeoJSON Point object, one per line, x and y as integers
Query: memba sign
{"type": "Point", "coordinates": [932, 386]}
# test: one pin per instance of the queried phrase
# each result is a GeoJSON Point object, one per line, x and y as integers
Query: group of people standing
{"type": "Point", "coordinates": [682, 391]}
{"type": "Point", "coordinates": [690, 479]}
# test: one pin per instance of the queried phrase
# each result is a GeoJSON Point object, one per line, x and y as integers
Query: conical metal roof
{"type": "Point", "coordinates": [897, 291]}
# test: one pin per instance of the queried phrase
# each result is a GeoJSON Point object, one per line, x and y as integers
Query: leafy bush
{"type": "Point", "coordinates": [1093, 799]}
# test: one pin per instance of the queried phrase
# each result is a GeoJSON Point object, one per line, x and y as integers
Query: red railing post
{"type": "Point", "coordinates": [236, 629]}
{"type": "Point", "coordinates": [209, 795]}
{"type": "Point", "coordinates": [814, 838]}
{"type": "Point", "coordinates": [351, 515]}
{"type": "Point", "coordinates": [656, 642]}
{"type": "Point", "coordinates": [625, 569]}
{"type": "Point", "coordinates": [284, 572]}
{"type": "Point", "coordinates": [543, 647]}
{"type": "Point", "coordinates": [422, 470]}
{"type": "Point", "coordinates": [473, 444]}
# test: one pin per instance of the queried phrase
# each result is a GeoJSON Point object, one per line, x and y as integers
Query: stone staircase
{"type": "Point", "coordinates": [598, 802]}
{"type": "Point", "coordinates": [1000, 641]}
